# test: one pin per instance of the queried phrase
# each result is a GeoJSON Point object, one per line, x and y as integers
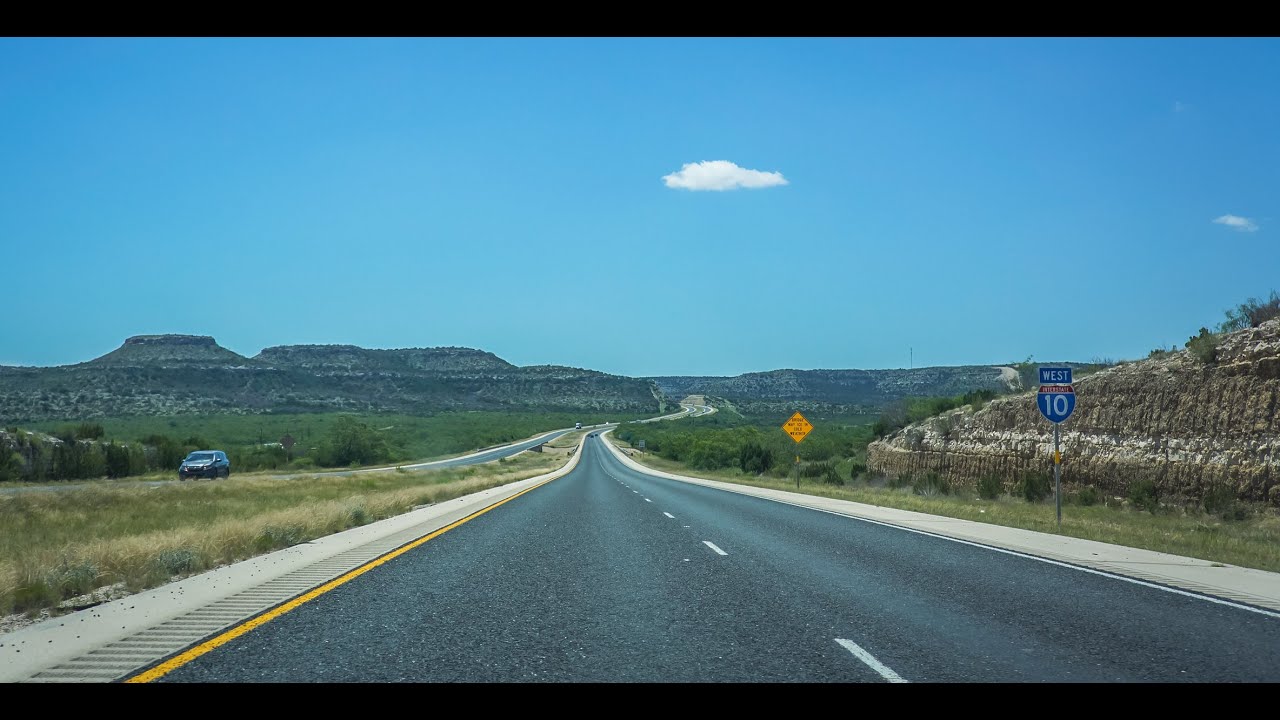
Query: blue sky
{"type": "Point", "coordinates": [663, 206]}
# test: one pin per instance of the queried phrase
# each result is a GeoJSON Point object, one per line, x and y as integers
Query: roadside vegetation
{"type": "Point", "coordinates": [1218, 528]}
{"type": "Point", "coordinates": [62, 550]}
{"type": "Point", "coordinates": [150, 446]}
{"type": "Point", "coordinates": [1250, 313]}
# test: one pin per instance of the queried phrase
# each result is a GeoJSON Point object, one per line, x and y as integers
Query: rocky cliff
{"type": "Point", "coordinates": [1184, 424]}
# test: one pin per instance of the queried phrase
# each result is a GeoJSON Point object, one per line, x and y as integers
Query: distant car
{"type": "Point", "coordinates": [205, 464]}
{"type": "Point", "coordinates": [577, 426]}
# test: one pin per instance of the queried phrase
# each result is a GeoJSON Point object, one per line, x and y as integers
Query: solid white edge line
{"type": "Point", "coordinates": [871, 661]}
{"type": "Point", "coordinates": [1103, 573]}
{"type": "Point", "coordinates": [713, 547]}
{"type": "Point", "coordinates": [1059, 563]}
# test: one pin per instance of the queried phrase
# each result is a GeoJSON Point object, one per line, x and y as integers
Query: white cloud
{"type": "Point", "coordinates": [1179, 106]}
{"type": "Point", "coordinates": [1243, 224]}
{"type": "Point", "coordinates": [720, 175]}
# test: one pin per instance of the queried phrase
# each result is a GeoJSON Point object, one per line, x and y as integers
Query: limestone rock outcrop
{"type": "Point", "coordinates": [1181, 423]}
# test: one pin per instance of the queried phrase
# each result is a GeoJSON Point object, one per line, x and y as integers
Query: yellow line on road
{"type": "Point", "coordinates": [187, 656]}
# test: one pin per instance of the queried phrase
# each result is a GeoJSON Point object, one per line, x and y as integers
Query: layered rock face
{"type": "Point", "coordinates": [1183, 424]}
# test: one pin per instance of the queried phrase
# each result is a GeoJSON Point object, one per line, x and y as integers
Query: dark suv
{"type": "Point", "coordinates": [205, 464]}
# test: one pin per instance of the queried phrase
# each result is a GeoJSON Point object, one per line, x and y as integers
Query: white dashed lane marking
{"type": "Point", "coordinates": [871, 661]}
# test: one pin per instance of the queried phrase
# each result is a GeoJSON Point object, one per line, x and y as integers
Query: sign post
{"type": "Point", "coordinates": [287, 443]}
{"type": "Point", "coordinates": [797, 427]}
{"type": "Point", "coordinates": [1056, 401]}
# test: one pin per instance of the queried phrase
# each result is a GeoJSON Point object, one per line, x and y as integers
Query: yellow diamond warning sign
{"type": "Point", "coordinates": [797, 427]}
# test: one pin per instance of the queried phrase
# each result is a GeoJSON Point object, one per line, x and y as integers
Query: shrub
{"type": "Point", "coordinates": [755, 459]}
{"type": "Point", "coordinates": [1087, 495]}
{"type": "Point", "coordinates": [12, 465]}
{"type": "Point", "coordinates": [1252, 313]}
{"type": "Point", "coordinates": [1144, 495]}
{"type": "Point", "coordinates": [1221, 500]}
{"type": "Point", "coordinates": [33, 596]}
{"type": "Point", "coordinates": [357, 515]}
{"type": "Point", "coordinates": [274, 537]}
{"type": "Point", "coordinates": [73, 578]}
{"type": "Point", "coordinates": [832, 476]}
{"type": "Point", "coordinates": [1217, 498]}
{"type": "Point", "coordinates": [990, 487]}
{"type": "Point", "coordinates": [1034, 487]}
{"type": "Point", "coordinates": [814, 470]}
{"type": "Point", "coordinates": [857, 470]}
{"type": "Point", "coordinates": [931, 484]}
{"type": "Point", "coordinates": [1204, 346]}
{"type": "Point", "coordinates": [352, 443]}
{"type": "Point", "coordinates": [89, 431]}
{"type": "Point", "coordinates": [894, 482]}
{"type": "Point", "coordinates": [177, 561]}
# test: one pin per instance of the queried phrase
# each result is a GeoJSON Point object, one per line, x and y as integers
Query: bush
{"type": "Point", "coordinates": [353, 444]}
{"type": "Point", "coordinates": [1252, 313]}
{"type": "Point", "coordinates": [275, 537]}
{"type": "Point", "coordinates": [755, 459]}
{"type": "Point", "coordinates": [1221, 500]}
{"type": "Point", "coordinates": [89, 431]}
{"type": "Point", "coordinates": [357, 515]}
{"type": "Point", "coordinates": [178, 561]}
{"type": "Point", "coordinates": [1034, 487]}
{"type": "Point", "coordinates": [990, 487]}
{"type": "Point", "coordinates": [814, 470]}
{"type": "Point", "coordinates": [893, 482]}
{"type": "Point", "coordinates": [12, 466]}
{"type": "Point", "coordinates": [1205, 346]}
{"type": "Point", "coordinates": [1087, 495]}
{"type": "Point", "coordinates": [832, 476]}
{"type": "Point", "coordinates": [857, 470]}
{"type": "Point", "coordinates": [931, 484]}
{"type": "Point", "coordinates": [1144, 495]}
{"type": "Point", "coordinates": [74, 578]}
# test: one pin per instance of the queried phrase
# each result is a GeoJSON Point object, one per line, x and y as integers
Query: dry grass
{"type": "Point", "coordinates": [77, 546]}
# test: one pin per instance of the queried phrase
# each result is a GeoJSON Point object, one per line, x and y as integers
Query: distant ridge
{"type": "Point", "coordinates": [192, 374]}
{"type": "Point", "coordinates": [441, 359]}
{"type": "Point", "coordinates": [842, 391]}
{"type": "Point", "coordinates": [167, 349]}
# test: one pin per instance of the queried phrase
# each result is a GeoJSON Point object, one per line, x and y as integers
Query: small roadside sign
{"type": "Point", "coordinates": [1056, 402]}
{"type": "Point", "coordinates": [1055, 376]}
{"type": "Point", "coordinates": [287, 441]}
{"type": "Point", "coordinates": [797, 427]}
